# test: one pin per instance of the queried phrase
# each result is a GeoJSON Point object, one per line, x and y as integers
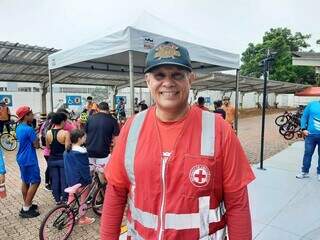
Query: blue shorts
{"type": "Point", "coordinates": [2, 166]}
{"type": "Point", "coordinates": [30, 174]}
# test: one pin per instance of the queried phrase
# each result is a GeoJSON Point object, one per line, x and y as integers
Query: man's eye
{"type": "Point", "coordinates": [177, 76]}
{"type": "Point", "coordinates": [159, 76]}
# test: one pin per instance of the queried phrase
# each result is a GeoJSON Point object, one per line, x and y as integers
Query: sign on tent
{"type": "Point", "coordinates": [7, 99]}
{"type": "Point", "coordinates": [73, 100]}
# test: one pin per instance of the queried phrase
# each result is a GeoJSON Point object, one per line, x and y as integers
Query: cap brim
{"type": "Point", "coordinates": [153, 67]}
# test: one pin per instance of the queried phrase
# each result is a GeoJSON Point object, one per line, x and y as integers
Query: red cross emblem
{"type": "Point", "coordinates": [199, 175]}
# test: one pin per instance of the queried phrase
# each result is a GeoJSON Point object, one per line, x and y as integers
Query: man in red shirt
{"type": "Point", "coordinates": [181, 170]}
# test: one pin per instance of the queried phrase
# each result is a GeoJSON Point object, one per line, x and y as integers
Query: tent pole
{"type": "Point", "coordinates": [50, 89]}
{"type": "Point", "coordinates": [131, 82]}
{"type": "Point", "coordinates": [237, 101]}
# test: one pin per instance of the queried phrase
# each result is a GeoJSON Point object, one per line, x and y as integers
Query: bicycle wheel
{"type": "Point", "coordinates": [280, 120]}
{"type": "Point", "coordinates": [288, 135]}
{"type": "Point", "coordinates": [57, 224]}
{"type": "Point", "coordinates": [8, 141]}
{"type": "Point", "coordinates": [97, 200]}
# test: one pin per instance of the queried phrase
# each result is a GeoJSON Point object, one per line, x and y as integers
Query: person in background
{"type": "Point", "coordinates": [143, 106]}
{"type": "Point", "coordinates": [4, 117]}
{"type": "Point", "coordinates": [136, 106]}
{"type": "Point", "coordinates": [57, 140]}
{"type": "Point", "coordinates": [310, 126]}
{"type": "Point", "coordinates": [200, 104]}
{"type": "Point", "coordinates": [27, 161]}
{"type": "Point", "coordinates": [120, 108]}
{"type": "Point", "coordinates": [101, 130]}
{"type": "Point", "coordinates": [76, 166]}
{"type": "Point", "coordinates": [218, 108]}
{"type": "Point", "coordinates": [68, 125]}
{"type": "Point", "coordinates": [45, 127]}
{"type": "Point", "coordinates": [229, 110]}
{"type": "Point", "coordinates": [91, 107]}
{"type": "Point", "coordinates": [2, 176]}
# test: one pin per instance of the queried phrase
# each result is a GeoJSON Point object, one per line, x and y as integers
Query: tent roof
{"type": "Point", "coordinates": [24, 63]}
{"type": "Point", "coordinates": [309, 92]}
{"type": "Point", "coordinates": [110, 52]}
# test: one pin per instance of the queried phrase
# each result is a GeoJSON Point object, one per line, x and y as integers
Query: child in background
{"type": "Point", "coordinates": [2, 176]}
{"type": "Point", "coordinates": [76, 165]}
{"type": "Point", "coordinates": [27, 161]}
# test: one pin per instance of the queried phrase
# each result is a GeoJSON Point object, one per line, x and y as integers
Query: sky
{"type": "Point", "coordinates": [228, 25]}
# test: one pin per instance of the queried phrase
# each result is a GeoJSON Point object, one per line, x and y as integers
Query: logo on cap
{"type": "Point", "coordinates": [200, 175]}
{"type": "Point", "coordinates": [167, 51]}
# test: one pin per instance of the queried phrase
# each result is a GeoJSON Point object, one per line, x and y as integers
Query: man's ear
{"type": "Point", "coordinates": [147, 78]}
{"type": "Point", "coordinates": [192, 77]}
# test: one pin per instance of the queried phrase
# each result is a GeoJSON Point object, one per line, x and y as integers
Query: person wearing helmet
{"type": "Point", "coordinates": [181, 170]}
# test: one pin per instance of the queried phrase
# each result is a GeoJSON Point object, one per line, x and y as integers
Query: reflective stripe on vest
{"type": "Point", "coordinates": [199, 220]}
{"type": "Point", "coordinates": [131, 145]}
{"type": "Point", "coordinates": [218, 235]}
{"type": "Point", "coordinates": [146, 219]}
{"type": "Point", "coordinates": [207, 133]}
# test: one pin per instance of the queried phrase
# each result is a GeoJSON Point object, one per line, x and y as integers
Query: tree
{"type": "Point", "coordinates": [284, 43]}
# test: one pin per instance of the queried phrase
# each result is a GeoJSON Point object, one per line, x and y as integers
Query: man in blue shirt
{"type": "Point", "coordinates": [310, 125]}
{"type": "Point", "coordinates": [27, 161]}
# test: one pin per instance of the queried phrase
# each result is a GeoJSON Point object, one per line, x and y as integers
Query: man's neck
{"type": "Point", "coordinates": [106, 112]}
{"type": "Point", "coordinates": [171, 116]}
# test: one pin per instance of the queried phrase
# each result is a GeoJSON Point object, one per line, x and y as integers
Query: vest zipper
{"type": "Point", "coordinates": [163, 175]}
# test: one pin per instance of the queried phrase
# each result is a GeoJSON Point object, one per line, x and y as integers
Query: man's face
{"type": "Point", "coordinates": [169, 86]}
{"type": "Point", "coordinates": [226, 101]}
{"type": "Point", "coordinates": [29, 117]}
{"type": "Point", "coordinates": [89, 101]}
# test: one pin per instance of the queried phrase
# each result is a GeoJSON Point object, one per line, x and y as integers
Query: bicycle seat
{"type": "Point", "coordinates": [73, 189]}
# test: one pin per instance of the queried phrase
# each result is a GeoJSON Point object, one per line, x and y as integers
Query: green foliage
{"type": "Point", "coordinates": [283, 42]}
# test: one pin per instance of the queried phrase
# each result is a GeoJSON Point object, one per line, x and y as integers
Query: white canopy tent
{"type": "Point", "coordinates": [122, 54]}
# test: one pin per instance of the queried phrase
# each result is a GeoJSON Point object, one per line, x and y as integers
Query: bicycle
{"type": "Point", "coordinates": [58, 224]}
{"type": "Point", "coordinates": [8, 140]}
{"type": "Point", "coordinates": [282, 119]}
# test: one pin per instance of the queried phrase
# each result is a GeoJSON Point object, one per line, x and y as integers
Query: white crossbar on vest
{"type": "Point", "coordinates": [199, 220]}
{"type": "Point", "coordinates": [207, 133]}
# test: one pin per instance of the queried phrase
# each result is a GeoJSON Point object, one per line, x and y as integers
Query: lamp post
{"type": "Point", "coordinates": [265, 63]}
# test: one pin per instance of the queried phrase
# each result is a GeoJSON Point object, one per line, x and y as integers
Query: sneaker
{"type": "Point", "coordinates": [31, 213]}
{"type": "Point", "coordinates": [302, 175]}
{"type": "Point", "coordinates": [34, 206]}
{"type": "Point", "coordinates": [86, 221]}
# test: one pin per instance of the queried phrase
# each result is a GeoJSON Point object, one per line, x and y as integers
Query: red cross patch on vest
{"type": "Point", "coordinates": [199, 175]}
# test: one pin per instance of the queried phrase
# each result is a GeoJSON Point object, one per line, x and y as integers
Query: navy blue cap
{"type": "Point", "coordinates": [168, 53]}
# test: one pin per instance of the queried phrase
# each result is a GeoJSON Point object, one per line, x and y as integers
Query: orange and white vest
{"type": "Point", "coordinates": [175, 195]}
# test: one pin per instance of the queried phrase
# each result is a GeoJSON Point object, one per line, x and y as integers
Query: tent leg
{"type": "Point", "coordinates": [237, 101]}
{"type": "Point", "coordinates": [51, 91]}
{"type": "Point", "coordinates": [131, 82]}
{"type": "Point", "coordinates": [44, 90]}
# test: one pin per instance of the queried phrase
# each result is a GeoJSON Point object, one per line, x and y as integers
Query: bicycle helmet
{"type": "Point", "coordinates": [84, 117]}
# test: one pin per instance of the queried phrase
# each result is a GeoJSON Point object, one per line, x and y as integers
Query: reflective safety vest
{"type": "Point", "coordinates": [175, 195]}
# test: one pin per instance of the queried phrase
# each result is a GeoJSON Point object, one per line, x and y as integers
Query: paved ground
{"type": "Point", "coordinates": [12, 227]}
{"type": "Point", "coordinates": [283, 207]}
